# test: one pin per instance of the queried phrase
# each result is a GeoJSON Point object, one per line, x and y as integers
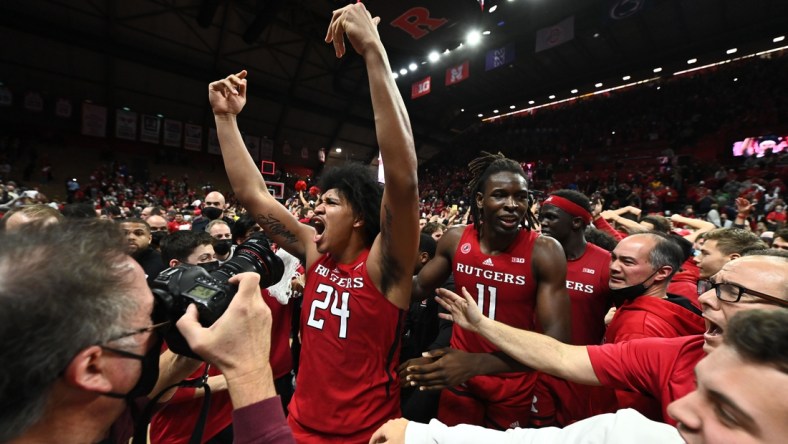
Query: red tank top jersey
{"type": "Point", "coordinates": [587, 284]}
{"type": "Point", "coordinates": [503, 286]}
{"type": "Point", "coordinates": [347, 380]}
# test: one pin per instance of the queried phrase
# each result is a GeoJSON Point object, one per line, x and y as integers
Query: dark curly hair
{"type": "Point", "coordinates": [481, 169]}
{"type": "Point", "coordinates": [357, 183]}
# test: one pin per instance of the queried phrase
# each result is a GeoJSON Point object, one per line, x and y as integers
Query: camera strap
{"type": "Point", "coordinates": [141, 425]}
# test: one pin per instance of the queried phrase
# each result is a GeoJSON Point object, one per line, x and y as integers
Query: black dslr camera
{"type": "Point", "coordinates": [178, 287]}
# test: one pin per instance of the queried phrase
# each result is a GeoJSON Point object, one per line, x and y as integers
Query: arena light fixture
{"type": "Point", "coordinates": [551, 97]}
{"type": "Point", "coordinates": [403, 71]}
{"type": "Point", "coordinates": [493, 8]}
{"type": "Point", "coordinates": [530, 102]}
{"type": "Point", "coordinates": [395, 75]}
{"type": "Point", "coordinates": [462, 110]}
{"type": "Point", "coordinates": [473, 38]}
{"type": "Point", "coordinates": [657, 69]}
{"type": "Point", "coordinates": [778, 39]}
{"type": "Point", "coordinates": [691, 61]}
{"type": "Point", "coordinates": [434, 56]}
{"type": "Point", "coordinates": [512, 107]}
{"type": "Point", "coordinates": [574, 91]}
{"type": "Point", "coordinates": [598, 85]}
{"type": "Point", "coordinates": [625, 78]}
{"type": "Point", "coordinates": [486, 33]}
{"type": "Point", "coordinates": [413, 67]}
{"type": "Point", "coordinates": [731, 51]}
{"type": "Point", "coordinates": [495, 111]}
{"type": "Point", "coordinates": [339, 150]}
{"type": "Point", "coordinates": [480, 115]}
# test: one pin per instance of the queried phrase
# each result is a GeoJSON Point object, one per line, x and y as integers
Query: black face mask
{"type": "Point", "coordinates": [148, 375]}
{"type": "Point", "coordinates": [222, 247]}
{"type": "Point", "coordinates": [156, 238]}
{"type": "Point", "coordinates": [210, 266]}
{"type": "Point", "coordinates": [621, 295]}
{"type": "Point", "coordinates": [212, 213]}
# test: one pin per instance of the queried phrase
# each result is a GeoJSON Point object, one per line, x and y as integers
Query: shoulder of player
{"type": "Point", "coordinates": [546, 245]}
{"type": "Point", "coordinates": [451, 239]}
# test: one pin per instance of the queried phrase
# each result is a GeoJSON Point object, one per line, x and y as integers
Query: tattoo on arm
{"type": "Point", "coordinates": [274, 227]}
{"type": "Point", "coordinates": [392, 269]}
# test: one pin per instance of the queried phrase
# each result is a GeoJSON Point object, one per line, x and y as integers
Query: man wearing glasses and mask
{"type": "Point", "coordinates": [80, 342]}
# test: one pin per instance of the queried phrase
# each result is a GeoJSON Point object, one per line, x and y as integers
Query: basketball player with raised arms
{"type": "Point", "coordinates": [516, 275]}
{"type": "Point", "coordinates": [359, 252]}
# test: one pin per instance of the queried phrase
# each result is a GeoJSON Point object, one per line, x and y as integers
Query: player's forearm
{"type": "Point", "coordinates": [244, 176]}
{"type": "Point", "coordinates": [540, 352]}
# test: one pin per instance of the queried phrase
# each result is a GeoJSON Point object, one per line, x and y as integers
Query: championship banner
{"type": "Point", "coordinates": [125, 124]}
{"type": "Point", "coordinates": [213, 142]}
{"type": "Point", "coordinates": [457, 74]}
{"type": "Point", "coordinates": [94, 120]}
{"type": "Point", "coordinates": [151, 128]}
{"type": "Point", "coordinates": [420, 88]}
{"type": "Point", "coordinates": [192, 138]}
{"type": "Point", "coordinates": [253, 146]}
{"type": "Point", "coordinates": [499, 57]}
{"type": "Point", "coordinates": [172, 132]}
{"type": "Point", "coordinates": [555, 35]}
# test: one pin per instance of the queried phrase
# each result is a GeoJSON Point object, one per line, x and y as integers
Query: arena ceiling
{"type": "Point", "coordinates": [308, 92]}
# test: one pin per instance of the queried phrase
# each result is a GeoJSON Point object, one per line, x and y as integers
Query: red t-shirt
{"type": "Point", "coordinates": [347, 381]}
{"type": "Point", "coordinates": [657, 367]}
{"type": "Point", "coordinates": [587, 284]}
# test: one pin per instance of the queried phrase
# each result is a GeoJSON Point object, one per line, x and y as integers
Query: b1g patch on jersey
{"type": "Point", "coordinates": [466, 248]}
{"type": "Point", "coordinates": [518, 260]}
{"type": "Point", "coordinates": [589, 270]}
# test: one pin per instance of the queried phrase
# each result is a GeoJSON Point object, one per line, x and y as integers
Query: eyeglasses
{"type": "Point", "coordinates": [728, 292]}
{"type": "Point", "coordinates": [160, 329]}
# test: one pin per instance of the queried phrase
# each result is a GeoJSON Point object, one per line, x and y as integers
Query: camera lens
{"type": "Point", "coordinates": [255, 256]}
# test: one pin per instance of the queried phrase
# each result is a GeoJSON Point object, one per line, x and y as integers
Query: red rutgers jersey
{"type": "Point", "coordinates": [347, 381]}
{"type": "Point", "coordinates": [503, 286]}
{"type": "Point", "coordinates": [587, 284]}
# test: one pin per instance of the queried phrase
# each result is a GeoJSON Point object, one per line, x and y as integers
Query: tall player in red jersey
{"type": "Point", "coordinates": [516, 276]}
{"type": "Point", "coordinates": [564, 216]}
{"type": "Point", "coordinates": [359, 253]}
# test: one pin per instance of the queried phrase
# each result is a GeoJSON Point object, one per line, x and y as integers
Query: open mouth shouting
{"type": "Point", "coordinates": [712, 336]}
{"type": "Point", "coordinates": [319, 227]}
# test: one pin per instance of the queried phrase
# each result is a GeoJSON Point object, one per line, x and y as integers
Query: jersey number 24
{"type": "Point", "coordinates": [321, 305]}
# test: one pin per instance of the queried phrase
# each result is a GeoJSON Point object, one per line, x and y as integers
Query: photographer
{"type": "Point", "coordinates": [80, 348]}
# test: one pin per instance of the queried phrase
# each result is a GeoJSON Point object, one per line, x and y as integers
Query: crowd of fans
{"type": "Point", "coordinates": [533, 273]}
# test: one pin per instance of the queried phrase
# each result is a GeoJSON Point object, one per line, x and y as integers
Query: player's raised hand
{"type": "Point", "coordinates": [355, 22]}
{"type": "Point", "coordinates": [228, 96]}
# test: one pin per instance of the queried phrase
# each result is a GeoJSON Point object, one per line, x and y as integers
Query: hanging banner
{"type": "Point", "coordinates": [151, 128]}
{"type": "Point", "coordinates": [63, 108]}
{"type": "Point", "coordinates": [457, 74]}
{"type": "Point", "coordinates": [94, 120]}
{"type": "Point", "coordinates": [499, 57]}
{"type": "Point", "coordinates": [172, 132]}
{"type": "Point", "coordinates": [192, 138]}
{"type": "Point", "coordinates": [6, 96]}
{"type": "Point", "coordinates": [420, 88]}
{"type": "Point", "coordinates": [125, 124]}
{"type": "Point", "coordinates": [253, 146]}
{"type": "Point", "coordinates": [213, 142]}
{"type": "Point", "coordinates": [266, 149]}
{"type": "Point", "coordinates": [555, 35]}
{"type": "Point", "coordinates": [304, 152]}
{"type": "Point", "coordinates": [34, 102]}
{"type": "Point", "coordinates": [286, 148]}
